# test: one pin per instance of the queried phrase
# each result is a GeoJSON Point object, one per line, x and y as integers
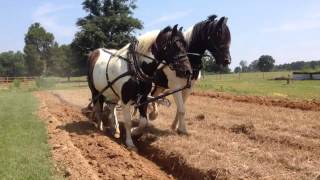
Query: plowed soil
{"type": "Point", "coordinates": [229, 139]}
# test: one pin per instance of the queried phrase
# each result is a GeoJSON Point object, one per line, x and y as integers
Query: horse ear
{"type": "Point", "coordinates": [212, 17]}
{"type": "Point", "coordinates": [180, 29]}
{"type": "Point", "coordinates": [220, 22]}
{"type": "Point", "coordinates": [166, 29]}
{"type": "Point", "coordinates": [175, 29]}
{"type": "Point", "coordinates": [225, 20]}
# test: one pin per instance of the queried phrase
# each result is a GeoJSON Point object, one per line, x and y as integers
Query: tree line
{"type": "Point", "coordinates": [266, 63]}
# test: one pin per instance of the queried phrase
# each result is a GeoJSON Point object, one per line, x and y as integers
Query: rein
{"type": "Point", "coordinates": [188, 85]}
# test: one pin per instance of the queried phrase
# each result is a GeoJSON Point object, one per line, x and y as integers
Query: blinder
{"type": "Point", "coordinates": [178, 60]}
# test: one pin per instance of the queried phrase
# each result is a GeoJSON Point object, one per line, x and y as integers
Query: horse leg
{"type": "Point", "coordinates": [98, 114]}
{"type": "Point", "coordinates": [154, 113]}
{"type": "Point", "coordinates": [114, 124]}
{"type": "Point", "coordinates": [180, 114]}
{"type": "Point", "coordinates": [127, 124]}
{"type": "Point", "coordinates": [143, 122]}
{"type": "Point", "coordinates": [185, 94]}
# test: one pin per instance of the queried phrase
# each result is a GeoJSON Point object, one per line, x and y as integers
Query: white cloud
{"type": "Point", "coordinates": [166, 18]}
{"type": "Point", "coordinates": [309, 23]}
{"type": "Point", "coordinates": [48, 16]}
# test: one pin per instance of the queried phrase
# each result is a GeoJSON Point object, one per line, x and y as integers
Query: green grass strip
{"type": "Point", "coordinates": [24, 151]}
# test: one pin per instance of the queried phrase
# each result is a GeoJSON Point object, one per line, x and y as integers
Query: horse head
{"type": "Point", "coordinates": [171, 47]}
{"type": "Point", "coordinates": [219, 39]}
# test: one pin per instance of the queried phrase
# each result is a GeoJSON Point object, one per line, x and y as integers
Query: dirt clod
{"type": "Point", "coordinates": [200, 117]}
{"type": "Point", "coordinates": [243, 128]}
{"type": "Point", "coordinates": [67, 172]}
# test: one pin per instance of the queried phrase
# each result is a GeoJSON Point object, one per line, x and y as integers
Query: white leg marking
{"type": "Point", "coordinates": [127, 124]}
{"type": "Point", "coordinates": [113, 119]}
{"type": "Point", "coordinates": [180, 114]}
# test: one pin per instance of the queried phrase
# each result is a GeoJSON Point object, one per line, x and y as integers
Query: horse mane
{"type": "Point", "coordinates": [146, 41]}
{"type": "Point", "coordinates": [188, 34]}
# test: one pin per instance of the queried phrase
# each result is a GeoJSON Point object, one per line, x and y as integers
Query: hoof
{"type": "Point", "coordinates": [182, 132]}
{"type": "Point", "coordinates": [136, 132]}
{"type": "Point", "coordinates": [116, 135]}
{"type": "Point", "coordinates": [153, 116]}
{"type": "Point", "coordinates": [132, 148]}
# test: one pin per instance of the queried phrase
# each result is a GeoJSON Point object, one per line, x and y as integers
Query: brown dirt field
{"type": "Point", "coordinates": [81, 152]}
{"type": "Point", "coordinates": [228, 140]}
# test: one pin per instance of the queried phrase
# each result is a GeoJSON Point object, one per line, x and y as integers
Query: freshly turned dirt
{"type": "Point", "coordinates": [229, 139]}
{"type": "Point", "coordinates": [310, 105]}
{"type": "Point", "coordinates": [81, 152]}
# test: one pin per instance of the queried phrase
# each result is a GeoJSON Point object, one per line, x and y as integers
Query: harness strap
{"type": "Point", "coordinates": [108, 80]}
{"type": "Point", "coordinates": [109, 85]}
{"type": "Point", "coordinates": [136, 64]}
{"type": "Point", "coordinates": [188, 85]}
{"type": "Point", "coordinates": [116, 55]}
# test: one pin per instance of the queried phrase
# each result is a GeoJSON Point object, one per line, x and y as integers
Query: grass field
{"type": "Point", "coordinates": [243, 84]}
{"type": "Point", "coordinates": [24, 152]}
{"type": "Point", "coordinates": [254, 84]}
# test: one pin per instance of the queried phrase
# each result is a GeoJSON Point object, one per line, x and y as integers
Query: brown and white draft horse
{"type": "Point", "coordinates": [129, 74]}
{"type": "Point", "coordinates": [212, 35]}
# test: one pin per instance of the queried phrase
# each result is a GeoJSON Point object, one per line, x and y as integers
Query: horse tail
{"type": "Point", "coordinates": [93, 57]}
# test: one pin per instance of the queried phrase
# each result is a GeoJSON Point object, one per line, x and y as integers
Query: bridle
{"type": "Point", "coordinates": [162, 53]}
{"type": "Point", "coordinates": [174, 65]}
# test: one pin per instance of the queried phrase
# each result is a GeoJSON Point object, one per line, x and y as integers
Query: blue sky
{"type": "Point", "coordinates": [289, 30]}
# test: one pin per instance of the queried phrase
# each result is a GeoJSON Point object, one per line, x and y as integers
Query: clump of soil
{"type": "Point", "coordinates": [243, 128]}
{"type": "Point", "coordinates": [200, 117]}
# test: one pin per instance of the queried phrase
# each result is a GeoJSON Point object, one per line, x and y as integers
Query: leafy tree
{"type": "Point", "coordinates": [253, 66]}
{"type": "Point", "coordinates": [237, 69]}
{"type": "Point", "coordinates": [243, 65]}
{"type": "Point", "coordinates": [109, 24]}
{"type": "Point", "coordinates": [37, 49]}
{"type": "Point", "coordinates": [266, 63]}
{"type": "Point", "coordinates": [297, 65]}
{"type": "Point", "coordinates": [61, 62]}
{"type": "Point", "coordinates": [313, 64]}
{"type": "Point", "coordinates": [12, 64]}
